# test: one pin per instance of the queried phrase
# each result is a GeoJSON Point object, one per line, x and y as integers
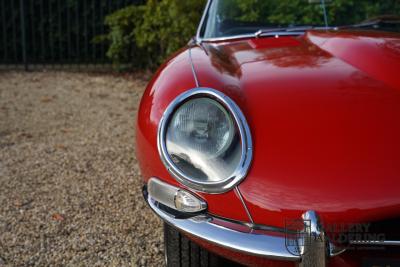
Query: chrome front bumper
{"type": "Point", "coordinates": [248, 242]}
{"type": "Point", "coordinates": [309, 246]}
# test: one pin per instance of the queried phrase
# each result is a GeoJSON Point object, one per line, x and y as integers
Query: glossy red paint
{"type": "Point", "coordinates": [324, 112]}
{"type": "Point", "coordinates": [326, 132]}
{"type": "Point", "coordinates": [378, 57]}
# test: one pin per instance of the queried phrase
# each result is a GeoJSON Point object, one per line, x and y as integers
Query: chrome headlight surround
{"type": "Point", "coordinates": [244, 132]}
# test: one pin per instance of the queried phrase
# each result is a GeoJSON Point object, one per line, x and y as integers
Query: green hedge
{"type": "Point", "coordinates": [145, 35]}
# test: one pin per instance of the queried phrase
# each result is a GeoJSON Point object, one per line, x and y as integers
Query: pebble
{"type": "Point", "coordinates": [87, 174]}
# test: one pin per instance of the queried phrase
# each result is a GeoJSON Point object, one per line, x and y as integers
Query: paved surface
{"type": "Point", "coordinates": [70, 189]}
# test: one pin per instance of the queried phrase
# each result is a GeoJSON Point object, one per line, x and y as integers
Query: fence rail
{"type": "Point", "coordinates": [54, 31]}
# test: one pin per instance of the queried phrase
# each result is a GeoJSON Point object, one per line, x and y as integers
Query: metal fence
{"type": "Point", "coordinates": [53, 32]}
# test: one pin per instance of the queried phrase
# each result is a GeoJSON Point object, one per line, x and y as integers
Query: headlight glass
{"type": "Point", "coordinates": [201, 141]}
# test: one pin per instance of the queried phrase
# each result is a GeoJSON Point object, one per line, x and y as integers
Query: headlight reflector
{"type": "Point", "coordinates": [201, 125]}
{"type": "Point", "coordinates": [204, 141]}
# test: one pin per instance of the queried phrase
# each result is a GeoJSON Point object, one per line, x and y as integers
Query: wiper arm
{"type": "Point", "coordinates": [262, 31]}
{"type": "Point", "coordinates": [287, 30]}
{"type": "Point", "coordinates": [374, 23]}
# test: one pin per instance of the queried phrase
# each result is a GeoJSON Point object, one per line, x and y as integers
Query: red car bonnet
{"type": "Point", "coordinates": [325, 118]}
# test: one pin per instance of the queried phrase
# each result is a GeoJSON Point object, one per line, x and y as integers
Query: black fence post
{"type": "Point", "coordinates": [23, 33]}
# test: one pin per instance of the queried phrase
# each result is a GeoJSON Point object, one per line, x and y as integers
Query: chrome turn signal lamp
{"type": "Point", "coordinates": [175, 198]}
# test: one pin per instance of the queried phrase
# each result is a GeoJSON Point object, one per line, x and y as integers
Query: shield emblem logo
{"type": "Point", "coordinates": [297, 236]}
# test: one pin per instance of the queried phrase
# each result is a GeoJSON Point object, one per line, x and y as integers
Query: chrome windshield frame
{"type": "Point", "coordinates": [199, 39]}
{"type": "Point", "coordinates": [203, 18]}
{"type": "Point", "coordinates": [276, 34]}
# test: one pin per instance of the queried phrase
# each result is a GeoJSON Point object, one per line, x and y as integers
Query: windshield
{"type": "Point", "coordinates": [228, 18]}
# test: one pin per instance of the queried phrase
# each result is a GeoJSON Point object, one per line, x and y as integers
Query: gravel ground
{"type": "Point", "coordinates": [70, 188]}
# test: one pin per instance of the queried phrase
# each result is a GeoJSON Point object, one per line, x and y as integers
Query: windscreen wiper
{"type": "Point", "coordinates": [375, 23]}
{"type": "Point", "coordinates": [297, 30]}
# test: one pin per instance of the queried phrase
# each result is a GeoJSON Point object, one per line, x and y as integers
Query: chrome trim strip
{"type": "Point", "coordinates": [193, 69]}
{"type": "Point", "coordinates": [244, 131]}
{"type": "Point", "coordinates": [244, 204]}
{"type": "Point", "coordinates": [375, 243]}
{"type": "Point", "coordinates": [227, 38]}
{"type": "Point", "coordinates": [334, 250]}
{"type": "Point", "coordinates": [203, 18]}
{"type": "Point", "coordinates": [202, 226]}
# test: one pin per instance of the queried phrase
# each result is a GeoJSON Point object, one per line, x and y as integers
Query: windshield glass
{"type": "Point", "coordinates": [227, 18]}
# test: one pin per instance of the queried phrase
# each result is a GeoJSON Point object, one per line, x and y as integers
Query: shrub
{"type": "Point", "coordinates": [167, 26]}
{"type": "Point", "coordinates": [121, 36]}
{"type": "Point", "coordinates": [144, 35]}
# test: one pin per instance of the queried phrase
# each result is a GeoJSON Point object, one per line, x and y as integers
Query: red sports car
{"type": "Point", "coordinates": [267, 141]}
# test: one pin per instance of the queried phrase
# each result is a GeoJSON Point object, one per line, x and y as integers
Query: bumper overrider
{"type": "Point", "coordinates": [308, 246]}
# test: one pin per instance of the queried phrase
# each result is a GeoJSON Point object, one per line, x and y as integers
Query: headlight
{"type": "Point", "coordinates": [204, 141]}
